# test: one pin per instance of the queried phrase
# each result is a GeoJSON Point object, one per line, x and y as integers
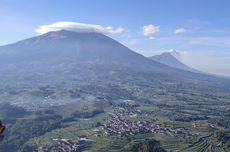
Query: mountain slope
{"type": "Point", "coordinates": [169, 60]}
{"type": "Point", "coordinates": [63, 55]}
{"type": "Point", "coordinates": [66, 57]}
{"type": "Point", "coordinates": [72, 46]}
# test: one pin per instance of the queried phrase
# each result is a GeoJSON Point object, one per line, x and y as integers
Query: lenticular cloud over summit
{"type": "Point", "coordinates": [79, 27]}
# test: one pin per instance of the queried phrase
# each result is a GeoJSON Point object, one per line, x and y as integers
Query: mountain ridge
{"type": "Point", "coordinates": [62, 56]}
{"type": "Point", "coordinates": [168, 59]}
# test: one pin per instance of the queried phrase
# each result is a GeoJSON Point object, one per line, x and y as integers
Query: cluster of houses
{"type": "Point", "coordinates": [64, 145]}
{"type": "Point", "coordinates": [126, 110]}
{"type": "Point", "coordinates": [119, 125]}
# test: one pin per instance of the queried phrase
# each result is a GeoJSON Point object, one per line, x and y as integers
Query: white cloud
{"type": "Point", "coordinates": [180, 30]}
{"type": "Point", "coordinates": [150, 29]}
{"type": "Point", "coordinates": [178, 54]}
{"type": "Point", "coordinates": [175, 53]}
{"type": "Point", "coordinates": [79, 27]}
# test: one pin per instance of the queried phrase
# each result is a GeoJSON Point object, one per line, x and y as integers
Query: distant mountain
{"type": "Point", "coordinates": [168, 59]}
{"type": "Point", "coordinates": [67, 57]}
{"type": "Point", "coordinates": [78, 47]}
{"type": "Point", "coordinates": [59, 55]}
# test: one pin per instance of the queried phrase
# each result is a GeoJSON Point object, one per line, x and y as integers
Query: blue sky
{"type": "Point", "coordinates": [198, 29]}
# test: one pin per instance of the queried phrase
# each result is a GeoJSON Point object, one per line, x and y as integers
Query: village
{"type": "Point", "coordinates": [120, 125]}
{"type": "Point", "coordinates": [121, 122]}
{"type": "Point", "coordinates": [68, 145]}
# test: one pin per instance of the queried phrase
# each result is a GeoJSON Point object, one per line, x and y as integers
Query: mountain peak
{"type": "Point", "coordinates": [169, 59]}
{"type": "Point", "coordinates": [167, 54]}
{"type": "Point", "coordinates": [56, 34]}
{"type": "Point", "coordinates": [65, 47]}
{"type": "Point", "coordinates": [67, 34]}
